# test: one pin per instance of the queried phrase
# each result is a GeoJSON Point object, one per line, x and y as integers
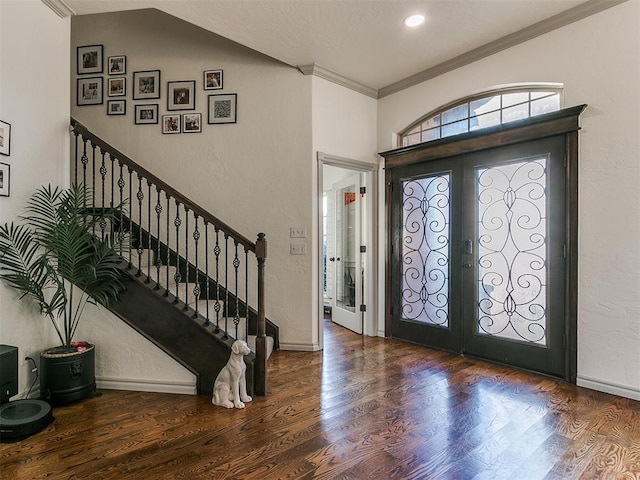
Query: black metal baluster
{"type": "Point", "coordinates": [196, 287]}
{"type": "Point", "coordinates": [140, 251]}
{"type": "Point", "coordinates": [121, 184]}
{"type": "Point", "coordinates": [103, 174]}
{"type": "Point", "coordinates": [216, 306]}
{"type": "Point", "coordinates": [206, 267]}
{"type": "Point", "coordinates": [85, 160]}
{"type": "Point", "coordinates": [158, 257]}
{"type": "Point", "coordinates": [93, 186]}
{"type": "Point", "coordinates": [149, 248]}
{"type": "Point", "coordinates": [236, 265]}
{"type": "Point", "coordinates": [177, 223]}
{"type": "Point", "coordinates": [168, 284]}
{"type": "Point", "coordinates": [113, 159]}
{"type": "Point", "coordinates": [226, 286]}
{"type": "Point", "coordinates": [75, 163]}
{"type": "Point", "coordinates": [130, 218]}
{"type": "Point", "coordinates": [186, 257]}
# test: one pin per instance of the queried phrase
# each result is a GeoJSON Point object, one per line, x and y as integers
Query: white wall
{"type": "Point", "coordinates": [254, 175]}
{"type": "Point", "coordinates": [344, 125]}
{"type": "Point", "coordinates": [30, 70]}
{"type": "Point", "coordinates": [597, 61]}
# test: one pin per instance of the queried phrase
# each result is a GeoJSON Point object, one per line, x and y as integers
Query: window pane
{"type": "Point", "coordinates": [515, 113]}
{"type": "Point", "coordinates": [455, 128]}
{"type": "Point", "coordinates": [510, 99]}
{"type": "Point", "coordinates": [411, 140]}
{"type": "Point", "coordinates": [433, 134]}
{"type": "Point", "coordinates": [431, 122]}
{"type": "Point", "coordinates": [484, 121]}
{"type": "Point", "coordinates": [456, 113]}
{"type": "Point", "coordinates": [485, 105]}
{"type": "Point", "coordinates": [415, 129]}
{"type": "Point", "coordinates": [545, 105]}
{"type": "Point", "coordinates": [537, 95]}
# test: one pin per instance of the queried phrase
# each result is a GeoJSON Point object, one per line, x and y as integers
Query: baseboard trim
{"type": "Point", "coordinates": [299, 347]}
{"type": "Point", "coordinates": [608, 387]}
{"type": "Point", "coordinates": [137, 385]}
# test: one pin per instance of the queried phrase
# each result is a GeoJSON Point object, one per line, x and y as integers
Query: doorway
{"type": "Point", "coordinates": [482, 244]}
{"type": "Point", "coordinates": [348, 242]}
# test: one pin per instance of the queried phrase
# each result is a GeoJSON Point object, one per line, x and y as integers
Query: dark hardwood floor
{"type": "Point", "coordinates": [366, 408]}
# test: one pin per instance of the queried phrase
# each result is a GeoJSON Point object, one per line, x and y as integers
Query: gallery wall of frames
{"type": "Point", "coordinates": [173, 105]}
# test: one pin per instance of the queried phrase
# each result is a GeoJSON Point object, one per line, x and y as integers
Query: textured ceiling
{"type": "Point", "coordinates": [362, 40]}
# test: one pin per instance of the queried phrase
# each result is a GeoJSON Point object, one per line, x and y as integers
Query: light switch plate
{"type": "Point", "coordinates": [298, 249]}
{"type": "Point", "coordinates": [297, 232]}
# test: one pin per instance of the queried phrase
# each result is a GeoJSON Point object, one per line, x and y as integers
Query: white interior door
{"type": "Point", "coordinates": [347, 260]}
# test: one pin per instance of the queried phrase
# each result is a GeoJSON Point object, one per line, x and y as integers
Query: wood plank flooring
{"type": "Point", "coordinates": [365, 408]}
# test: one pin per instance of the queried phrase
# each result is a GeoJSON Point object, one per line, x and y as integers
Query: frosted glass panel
{"type": "Point", "coordinates": [425, 249]}
{"type": "Point", "coordinates": [512, 256]}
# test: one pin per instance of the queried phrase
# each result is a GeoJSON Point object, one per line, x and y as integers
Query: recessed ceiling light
{"type": "Point", "coordinates": [414, 20]}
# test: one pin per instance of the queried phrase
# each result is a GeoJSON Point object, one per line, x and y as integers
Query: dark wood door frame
{"type": "Point", "coordinates": [564, 122]}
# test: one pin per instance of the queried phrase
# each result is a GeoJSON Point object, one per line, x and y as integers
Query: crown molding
{"type": "Point", "coordinates": [322, 72]}
{"type": "Point", "coordinates": [562, 19]}
{"type": "Point", "coordinates": [60, 8]}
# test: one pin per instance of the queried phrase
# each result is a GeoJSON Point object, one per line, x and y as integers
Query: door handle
{"type": "Point", "coordinates": [467, 265]}
{"type": "Point", "coordinates": [332, 259]}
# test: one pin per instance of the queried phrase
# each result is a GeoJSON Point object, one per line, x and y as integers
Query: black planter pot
{"type": "Point", "coordinates": [67, 377]}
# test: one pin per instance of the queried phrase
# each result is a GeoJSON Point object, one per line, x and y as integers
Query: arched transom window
{"type": "Point", "coordinates": [486, 109]}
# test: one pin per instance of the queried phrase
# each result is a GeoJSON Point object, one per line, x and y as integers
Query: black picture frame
{"type": "Point", "coordinates": [191, 122]}
{"type": "Point", "coordinates": [213, 79]}
{"type": "Point", "coordinates": [223, 108]}
{"type": "Point", "coordinates": [5, 179]}
{"type": "Point", "coordinates": [89, 59]}
{"type": "Point", "coordinates": [116, 86]}
{"type": "Point", "coordinates": [146, 84]}
{"type": "Point", "coordinates": [5, 138]}
{"type": "Point", "coordinates": [171, 124]}
{"type": "Point", "coordinates": [117, 65]}
{"type": "Point", "coordinates": [146, 114]}
{"type": "Point", "coordinates": [89, 91]}
{"type": "Point", "coordinates": [181, 95]}
{"type": "Point", "coordinates": [117, 107]}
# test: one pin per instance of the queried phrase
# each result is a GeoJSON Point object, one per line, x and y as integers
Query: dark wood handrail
{"type": "Point", "coordinates": [197, 209]}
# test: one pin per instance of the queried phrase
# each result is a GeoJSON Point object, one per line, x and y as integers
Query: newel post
{"type": "Point", "coordinates": [260, 385]}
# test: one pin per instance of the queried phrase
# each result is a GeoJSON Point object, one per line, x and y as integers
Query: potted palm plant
{"type": "Point", "coordinates": [61, 256]}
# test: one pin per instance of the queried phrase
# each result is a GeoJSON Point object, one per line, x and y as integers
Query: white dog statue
{"type": "Point", "coordinates": [230, 387]}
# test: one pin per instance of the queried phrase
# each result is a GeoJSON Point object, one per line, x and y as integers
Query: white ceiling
{"type": "Point", "coordinates": [365, 40]}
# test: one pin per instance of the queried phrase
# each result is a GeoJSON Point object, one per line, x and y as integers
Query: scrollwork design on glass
{"type": "Point", "coordinates": [512, 257]}
{"type": "Point", "coordinates": [426, 249]}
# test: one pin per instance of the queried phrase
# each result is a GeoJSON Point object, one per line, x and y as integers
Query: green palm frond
{"type": "Point", "coordinates": [55, 248]}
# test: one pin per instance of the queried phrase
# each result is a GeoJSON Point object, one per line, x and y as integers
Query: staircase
{"type": "Point", "coordinates": [196, 285]}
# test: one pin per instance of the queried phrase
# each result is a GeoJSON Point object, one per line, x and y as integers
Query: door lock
{"type": "Point", "coordinates": [467, 265]}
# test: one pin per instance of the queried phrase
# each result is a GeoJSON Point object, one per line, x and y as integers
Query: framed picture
{"type": "Point", "coordinates": [5, 138]}
{"type": "Point", "coordinates": [117, 65]}
{"type": "Point", "coordinates": [89, 91]}
{"type": "Point", "coordinates": [117, 86]}
{"type": "Point", "coordinates": [4, 179]}
{"type": "Point", "coordinates": [171, 124]}
{"type": "Point", "coordinates": [146, 114]}
{"type": "Point", "coordinates": [89, 59]}
{"type": "Point", "coordinates": [181, 95]}
{"type": "Point", "coordinates": [146, 84]}
{"type": "Point", "coordinates": [213, 79]}
{"type": "Point", "coordinates": [117, 107]}
{"type": "Point", "coordinates": [192, 122]}
{"type": "Point", "coordinates": [223, 108]}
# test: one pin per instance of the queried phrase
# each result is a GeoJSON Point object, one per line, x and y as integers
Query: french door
{"type": "Point", "coordinates": [478, 245]}
{"type": "Point", "coordinates": [347, 259]}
